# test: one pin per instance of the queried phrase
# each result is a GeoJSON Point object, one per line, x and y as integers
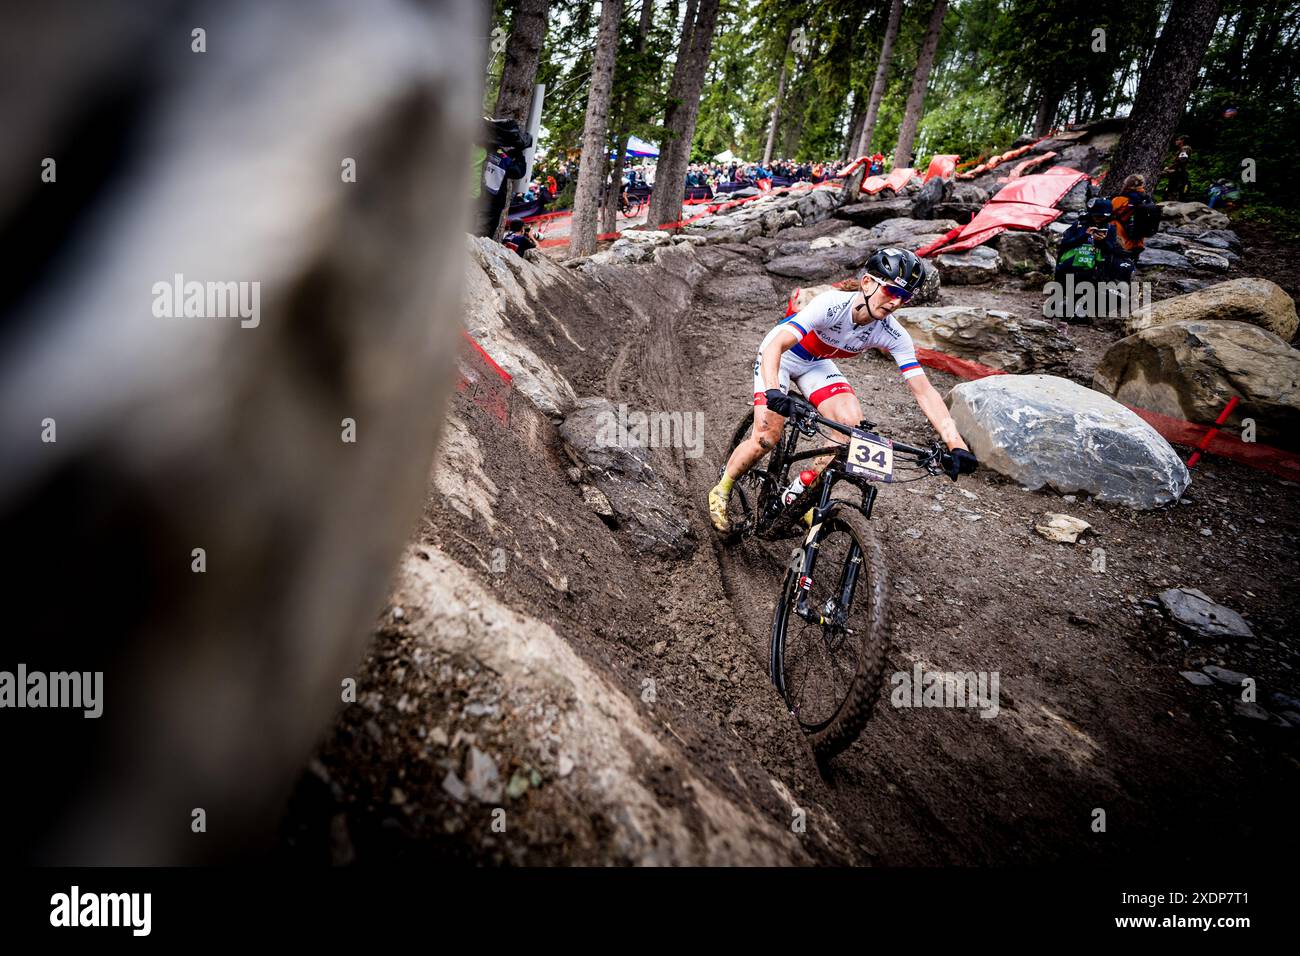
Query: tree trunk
{"type": "Point", "coordinates": [1162, 93]}
{"type": "Point", "coordinates": [582, 234]}
{"type": "Point", "coordinates": [1236, 60]}
{"type": "Point", "coordinates": [776, 104]}
{"type": "Point", "coordinates": [882, 73]}
{"type": "Point", "coordinates": [855, 134]}
{"type": "Point", "coordinates": [916, 99]}
{"type": "Point", "coordinates": [679, 118]}
{"type": "Point", "coordinates": [1048, 104]}
{"type": "Point", "coordinates": [609, 220]}
{"type": "Point", "coordinates": [519, 77]}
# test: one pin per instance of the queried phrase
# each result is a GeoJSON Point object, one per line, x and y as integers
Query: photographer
{"type": "Point", "coordinates": [1090, 248]}
{"type": "Point", "coordinates": [503, 160]}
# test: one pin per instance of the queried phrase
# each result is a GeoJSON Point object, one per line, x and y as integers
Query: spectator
{"type": "Point", "coordinates": [1136, 217]}
{"type": "Point", "coordinates": [1090, 251]}
{"type": "Point", "coordinates": [520, 235]}
{"type": "Point", "coordinates": [1179, 181]}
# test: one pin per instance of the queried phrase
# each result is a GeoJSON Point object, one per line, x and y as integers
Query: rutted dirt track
{"type": "Point", "coordinates": [1094, 714]}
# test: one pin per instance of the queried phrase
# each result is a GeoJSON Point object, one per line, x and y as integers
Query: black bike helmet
{"type": "Point", "coordinates": [898, 268]}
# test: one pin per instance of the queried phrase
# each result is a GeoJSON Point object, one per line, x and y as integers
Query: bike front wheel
{"type": "Point", "coordinates": [830, 637]}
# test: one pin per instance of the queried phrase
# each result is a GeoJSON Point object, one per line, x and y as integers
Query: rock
{"type": "Point", "coordinates": [1204, 259]}
{"type": "Point", "coordinates": [910, 234]}
{"type": "Point", "coordinates": [1191, 285]}
{"type": "Point", "coordinates": [1061, 528]}
{"type": "Point", "coordinates": [773, 222]}
{"type": "Point", "coordinates": [1023, 251]}
{"type": "Point", "coordinates": [455, 787]}
{"type": "Point", "coordinates": [975, 266]}
{"type": "Point", "coordinates": [1163, 258]}
{"type": "Point", "coordinates": [925, 199]}
{"type": "Point", "coordinates": [1195, 611]}
{"type": "Point", "coordinates": [1186, 213]}
{"type": "Point", "coordinates": [1197, 678]}
{"type": "Point", "coordinates": [1251, 711]}
{"type": "Point", "coordinates": [567, 714]}
{"type": "Point", "coordinates": [993, 338]}
{"type": "Point", "coordinates": [611, 442]}
{"type": "Point", "coordinates": [1254, 300]}
{"type": "Point", "coordinates": [1233, 679]}
{"type": "Point", "coordinates": [747, 193]}
{"type": "Point", "coordinates": [929, 290]}
{"type": "Point", "coordinates": [1076, 200]}
{"type": "Point", "coordinates": [654, 237]}
{"type": "Point", "coordinates": [1163, 240]}
{"type": "Point", "coordinates": [873, 211]}
{"type": "Point", "coordinates": [969, 193]}
{"type": "Point", "coordinates": [481, 777]}
{"type": "Point", "coordinates": [1213, 237]}
{"type": "Point", "coordinates": [1190, 370]}
{"type": "Point", "coordinates": [960, 212]}
{"type": "Point", "coordinates": [852, 237]}
{"type": "Point", "coordinates": [1043, 431]}
{"type": "Point", "coordinates": [825, 264]}
{"type": "Point", "coordinates": [817, 205]}
{"type": "Point", "coordinates": [500, 286]}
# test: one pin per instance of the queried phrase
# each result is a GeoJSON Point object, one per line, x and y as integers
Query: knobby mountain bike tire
{"type": "Point", "coordinates": [830, 676]}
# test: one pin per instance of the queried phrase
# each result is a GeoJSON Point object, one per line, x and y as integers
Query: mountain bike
{"type": "Point", "coordinates": [830, 632]}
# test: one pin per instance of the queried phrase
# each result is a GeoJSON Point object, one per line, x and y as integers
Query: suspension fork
{"type": "Point", "coordinates": [812, 546]}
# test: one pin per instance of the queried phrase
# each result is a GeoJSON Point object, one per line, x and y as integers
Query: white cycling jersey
{"type": "Point", "coordinates": [826, 331]}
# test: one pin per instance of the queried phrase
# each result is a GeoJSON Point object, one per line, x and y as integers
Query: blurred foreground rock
{"type": "Point", "coordinates": [226, 434]}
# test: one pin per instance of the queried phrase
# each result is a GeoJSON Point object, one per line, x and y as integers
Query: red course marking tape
{"type": "Point", "coordinates": [1223, 417]}
{"type": "Point", "coordinates": [505, 376]}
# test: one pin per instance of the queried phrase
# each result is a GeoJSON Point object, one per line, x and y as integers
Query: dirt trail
{"type": "Point", "coordinates": [1088, 719]}
{"type": "Point", "coordinates": [1093, 712]}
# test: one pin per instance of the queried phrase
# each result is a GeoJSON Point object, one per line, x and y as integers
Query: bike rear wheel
{"type": "Point", "coordinates": [829, 666]}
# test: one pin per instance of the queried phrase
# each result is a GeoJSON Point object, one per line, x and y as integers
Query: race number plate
{"type": "Point", "coordinates": [871, 456]}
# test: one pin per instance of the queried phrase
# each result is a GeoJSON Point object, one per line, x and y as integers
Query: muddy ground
{"type": "Point", "coordinates": [1094, 713]}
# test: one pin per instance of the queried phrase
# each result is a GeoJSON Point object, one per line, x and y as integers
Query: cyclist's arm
{"type": "Point", "coordinates": [771, 367]}
{"type": "Point", "coordinates": [931, 402]}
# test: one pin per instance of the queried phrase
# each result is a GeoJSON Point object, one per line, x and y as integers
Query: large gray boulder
{"type": "Point", "coordinates": [1252, 299]}
{"type": "Point", "coordinates": [994, 338]}
{"type": "Point", "coordinates": [612, 445]}
{"type": "Point", "coordinates": [1190, 370]}
{"type": "Point", "coordinates": [1043, 431]}
{"type": "Point", "coordinates": [973, 267]}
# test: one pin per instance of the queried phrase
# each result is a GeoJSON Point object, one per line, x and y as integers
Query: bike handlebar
{"type": "Point", "coordinates": [805, 417]}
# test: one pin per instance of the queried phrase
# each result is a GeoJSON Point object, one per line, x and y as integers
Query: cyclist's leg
{"type": "Point", "coordinates": [766, 433]}
{"type": "Point", "coordinates": [828, 389]}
